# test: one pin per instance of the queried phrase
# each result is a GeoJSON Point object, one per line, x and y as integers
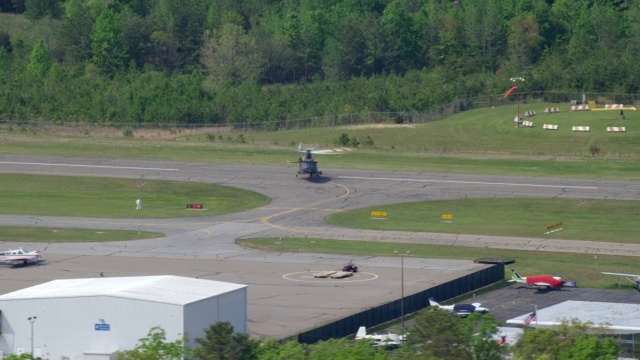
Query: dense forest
{"type": "Point", "coordinates": [268, 61]}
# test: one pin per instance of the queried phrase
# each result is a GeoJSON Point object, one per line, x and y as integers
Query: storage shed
{"type": "Point", "coordinates": [82, 319]}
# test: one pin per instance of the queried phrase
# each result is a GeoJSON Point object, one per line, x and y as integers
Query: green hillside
{"type": "Point", "coordinates": [285, 64]}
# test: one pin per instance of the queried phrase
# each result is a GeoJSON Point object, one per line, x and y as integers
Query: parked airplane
{"type": "Point", "coordinates": [541, 281]}
{"type": "Point", "coordinates": [633, 278]}
{"type": "Point", "coordinates": [386, 340]}
{"type": "Point", "coordinates": [462, 310]}
{"type": "Point", "coordinates": [19, 256]}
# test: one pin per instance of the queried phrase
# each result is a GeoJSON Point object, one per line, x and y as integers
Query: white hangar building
{"type": "Point", "coordinates": [93, 319]}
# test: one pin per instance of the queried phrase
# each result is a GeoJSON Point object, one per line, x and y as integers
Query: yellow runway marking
{"type": "Point", "coordinates": [266, 220]}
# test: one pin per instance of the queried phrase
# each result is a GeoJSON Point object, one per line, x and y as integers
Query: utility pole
{"type": "Point", "coordinates": [402, 287]}
{"type": "Point", "coordinates": [32, 319]}
{"type": "Point", "coordinates": [516, 80]}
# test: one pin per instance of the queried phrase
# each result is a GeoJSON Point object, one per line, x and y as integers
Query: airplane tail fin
{"type": "Point", "coordinates": [433, 302]}
{"type": "Point", "coordinates": [362, 332]}
{"type": "Point", "coordinates": [515, 274]}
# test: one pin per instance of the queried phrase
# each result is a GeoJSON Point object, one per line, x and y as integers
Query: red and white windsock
{"type": "Point", "coordinates": [510, 91]}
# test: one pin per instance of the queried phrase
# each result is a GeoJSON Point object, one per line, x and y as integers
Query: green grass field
{"type": "Point", "coordinates": [65, 235]}
{"type": "Point", "coordinates": [488, 133]}
{"type": "Point", "coordinates": [596, 220]}
{"type": "Point", "coordinates": [115, 198]}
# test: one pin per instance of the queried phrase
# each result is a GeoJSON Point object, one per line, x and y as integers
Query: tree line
{"type": "Point", "coordinates": [435, 334]}
{"type": "Point", "coordinates": [229, 62]}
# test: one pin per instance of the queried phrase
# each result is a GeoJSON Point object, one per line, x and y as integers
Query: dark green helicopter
{"type": "Point", "coordinates": [307, 165]}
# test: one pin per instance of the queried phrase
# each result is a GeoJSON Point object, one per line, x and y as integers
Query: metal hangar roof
{"type": "Point", "coordinates": [168, 289]}
{"type": "Point", "coordinates": [617, 318]}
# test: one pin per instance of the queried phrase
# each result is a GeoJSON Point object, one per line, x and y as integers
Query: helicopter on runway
{"type": "Point", "coordinates": [307, 165]}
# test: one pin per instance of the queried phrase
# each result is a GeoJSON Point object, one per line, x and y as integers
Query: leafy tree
{"type": "Point", "coordinates": [108, 44]}
{"type": "Point", "coordinates": [156, 347]}
{"type": "Point", "coordinates": [72, 39]}
{"type": "Point", "coordinates": [485, 39]}
{"type": "Point", "coordinates": [40, 61]}
{"type": "Point", "coordinates": [330, 349]}
{"type": "Point", "coordinates": [137, 33]}
{"type": "Point", "coordinates": [232, 57]}
{"type": "Point", "coordinates": [436, 334]}
{"type": "Point", "coordinates": [139, 7]}
{"type": "Point", "coordinates": [350, 51]}
{"type": "Point", "coordinates": [23, 356]}
{"type": "Point", "coordinates": [12, 6]}
{"type": "Point", "coordinates": [482, 329]}
{"type": "Point", "coordinates": [221, 343]}
{"type": "Point", "coordinates": [570, 340]}
{"type": "Point", "coordinates": [272, 349]}
{"type": "Point", "coordinates": [313, 35]}
{"type": "Point", "coordinates": [36, 9]}
{"type": "Point", "coordinates": [524, 42]}
{"type": "Point", "coordinates": [400, 43]}
{"type": "Point", "coordinates": [345, 349]}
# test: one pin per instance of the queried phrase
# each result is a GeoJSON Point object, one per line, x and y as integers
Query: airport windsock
{"type": "Point", "coordinates": [510, 91]}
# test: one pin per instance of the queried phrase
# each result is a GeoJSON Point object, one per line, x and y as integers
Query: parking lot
{"type": "Point", "coordinates": [518, 299]}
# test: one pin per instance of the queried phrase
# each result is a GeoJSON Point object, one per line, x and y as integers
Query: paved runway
{"type": "Point", "coordinates": [279, 306]}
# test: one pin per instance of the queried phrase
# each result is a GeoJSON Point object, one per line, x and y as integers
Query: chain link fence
{"type": "Point", "coordinates": [403, 117]}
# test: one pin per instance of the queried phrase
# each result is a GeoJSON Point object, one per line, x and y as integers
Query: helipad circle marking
{"type": "Point", "coordinates": [311, 278]}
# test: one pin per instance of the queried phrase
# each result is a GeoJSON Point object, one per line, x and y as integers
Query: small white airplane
{"type": "Point", "coordinates": [386, 340]}
{"type": "Point", "coordinates": [541, 281]}
{"type": "Point", "coordinates": [633, 278]}
{"type": "Point", "coordinates": [20, 256]}
{"type": "Point", "coordinates": [462, 310]}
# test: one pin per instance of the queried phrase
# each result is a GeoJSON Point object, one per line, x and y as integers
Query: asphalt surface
{"type": "Point", "coordinates": [517, 300]}
{"type": "Point", "coordinates": [282, 304]}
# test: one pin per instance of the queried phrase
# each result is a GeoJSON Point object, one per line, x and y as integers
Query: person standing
{"type": "Point", "coordinates": [138, 204]}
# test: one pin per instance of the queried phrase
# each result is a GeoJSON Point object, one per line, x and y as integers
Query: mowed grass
{"type": "Point", "coordinates": [487, 133]}
{"type": "Point", "coordinates": [115, 198]}
{"type": "Point", "coordinates": [64, 235]}
{"type": "Point", "coordinates": [482, 141]}
{"type": "Point", "coordinates": [359, 158]}
{"type": "Point", "coordinates": [582, 219]}
{"type": "Point", "coordinates": [583, 268]}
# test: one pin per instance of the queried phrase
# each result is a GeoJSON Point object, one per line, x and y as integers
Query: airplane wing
{"type": "Point", "coordinates": [632, 278]}
{"type": "Point", "coordinates": [619, 274]}
{"type": "Point", "coordinates": [476, 304]}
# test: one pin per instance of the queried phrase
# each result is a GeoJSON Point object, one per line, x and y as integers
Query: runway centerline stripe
{"type": "Point", "coordinates": [471, 182]}
{"type": "Point", "coordinates": [89, 166]}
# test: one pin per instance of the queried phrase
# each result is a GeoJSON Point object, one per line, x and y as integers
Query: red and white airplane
{"type": "Point", "coordinates": [541, 281]}
{"type": "Point", "coordinates": [20, 256]}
